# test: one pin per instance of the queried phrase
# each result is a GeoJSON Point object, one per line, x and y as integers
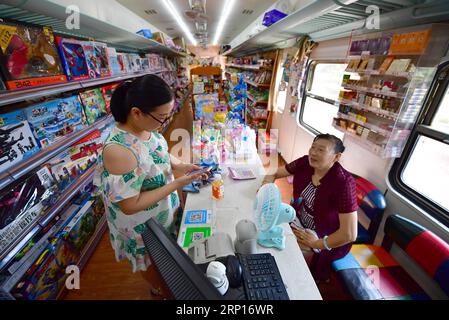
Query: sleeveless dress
{"type": "Point", "coordinates": [153, 171]}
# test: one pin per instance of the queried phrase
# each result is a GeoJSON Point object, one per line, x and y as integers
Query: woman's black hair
{"type": "Point", "coordinates": [338, 144]}
{"type": "Point", "coordinates": [146, 93]}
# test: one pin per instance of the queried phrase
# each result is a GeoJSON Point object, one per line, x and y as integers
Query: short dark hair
{"type": "Point", "coordinates": [338, 144]}
{"type": "Point", "coordinates": [146, 93]}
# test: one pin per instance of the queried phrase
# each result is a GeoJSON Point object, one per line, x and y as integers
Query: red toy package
{"type": "Point", "coordinates": [107, 95]}
{"type": "Point", "coordinates": [28, 56]}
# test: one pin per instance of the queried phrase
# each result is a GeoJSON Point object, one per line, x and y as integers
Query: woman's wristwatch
{"type": "Point", "coordinates": [326, 246]}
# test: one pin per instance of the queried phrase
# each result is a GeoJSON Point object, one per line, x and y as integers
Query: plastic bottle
{"type": "Point", "coordinates": [217, 187]}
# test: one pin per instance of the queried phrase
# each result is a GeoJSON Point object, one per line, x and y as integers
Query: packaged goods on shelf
{"type": "Point", "coordinates": [73, 58]}
{"type": "Point", "coordinates": [16, 138]}
{"type": "Point", "coordinates": [94, 105]}
{"type": "Point", "coordinates": [29, 57]}
{"type": "Point", "coordinates": [53, 120]}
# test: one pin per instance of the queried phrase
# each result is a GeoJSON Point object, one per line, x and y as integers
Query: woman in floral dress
{"type": "Point", "coordinates": [134, 172]}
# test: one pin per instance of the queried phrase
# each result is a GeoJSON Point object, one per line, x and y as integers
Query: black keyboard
{"type": "Point", "coordinates": [261, 277]}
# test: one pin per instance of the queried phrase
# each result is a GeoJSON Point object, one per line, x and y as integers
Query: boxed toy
{"type": "Point", "coordinates": [44, 280]}
{"type": "Point", "coordinates": [107, 95]}
{"type": "Point", "coordinates": [74, 161]}
{"type": "Point", "coordinates": [28, 56]}
{"type": "Point", "coordinates": [94, 105]}
{"type": "Point", "coordinates": [73, 58]}
{"type": "Point", "coordinates": [16, 139]}
{"type": "Point", "coordinates": [113, 62]}
{"type": "Point", "coordinates": [55, 119]}
{"type": "Point", "coordinates": [93, 63]}
{"type": "Point", "coordinates": [122, 59]}
{"type": "Point", "coordinates": [81, 228]}
{"type": "Point", "coordinates": [23, 202]}
{"type": "Point", "coordinates": [101, 53]}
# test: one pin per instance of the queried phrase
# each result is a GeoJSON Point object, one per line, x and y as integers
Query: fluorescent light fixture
{"type": "Point", "coordinates": [224, 15]}
{"type": "Point", "coordinates": [179, 20]}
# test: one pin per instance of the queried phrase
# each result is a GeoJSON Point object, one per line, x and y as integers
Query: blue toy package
{"type": "Point", "coordinates": [55, 119]}
{"type": "Point", "coordinates": [272, 16]}
{"type": "Point", "coordinates": [145, 33]}
{"type": "Point", "coordinates": [73, 58]}
{"type": "Point", "coordinates": [16, 139]}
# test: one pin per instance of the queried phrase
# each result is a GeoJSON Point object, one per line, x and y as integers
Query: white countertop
{"type": "Point", "coordinates": [236, 205]}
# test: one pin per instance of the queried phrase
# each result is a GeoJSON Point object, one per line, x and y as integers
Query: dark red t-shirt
{"type": "Point", "coordinates": [336, 194]}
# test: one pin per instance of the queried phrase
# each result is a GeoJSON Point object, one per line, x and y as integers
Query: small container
{"type": "Point", "coordinates": [217, 187]}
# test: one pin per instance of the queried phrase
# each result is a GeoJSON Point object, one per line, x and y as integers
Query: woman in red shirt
{"type": "Point", "coordinates": [324, 197]}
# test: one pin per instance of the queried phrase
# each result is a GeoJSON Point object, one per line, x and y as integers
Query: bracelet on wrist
{"type": "Point", "coordinates": [326, 246]}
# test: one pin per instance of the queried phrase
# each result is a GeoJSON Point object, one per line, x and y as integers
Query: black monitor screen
{"type": "Point", "coordinates": [185, 280]}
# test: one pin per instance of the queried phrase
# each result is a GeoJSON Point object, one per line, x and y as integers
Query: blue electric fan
{"type": "Point", "coordinates": [271, 212]}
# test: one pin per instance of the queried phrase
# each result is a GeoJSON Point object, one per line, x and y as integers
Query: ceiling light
{"type": "Point", "coordinates": [179, 20]}
{"type": "Point", "coordinates": [224, 15]}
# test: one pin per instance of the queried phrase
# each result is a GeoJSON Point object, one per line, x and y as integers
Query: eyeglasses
{"type": "Point", "coordinates": [158, 120]}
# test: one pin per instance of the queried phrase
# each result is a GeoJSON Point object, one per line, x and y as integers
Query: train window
{"type": "Point", "coordinates": [422, 172]}
{"type": "Point", "coordinates": [441, 120]}
{"type": "Point", "coordinates": [321, 96]}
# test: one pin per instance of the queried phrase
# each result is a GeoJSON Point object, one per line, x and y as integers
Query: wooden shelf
{"type": "Point", "coordinates": [250, 97]}
{"type": "Point", "coordinates": [253, 67]}
{"type": "Point", "coordinates": [258, 85]}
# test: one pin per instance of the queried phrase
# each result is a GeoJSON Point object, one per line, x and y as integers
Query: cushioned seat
{"type": "Point", "coordinates": [369, 272]}
{"type": "Point", "coordinates": [372, 205]}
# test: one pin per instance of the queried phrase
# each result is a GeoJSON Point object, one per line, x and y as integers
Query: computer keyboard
{"type": "Point", "coordinates": [261, 277]}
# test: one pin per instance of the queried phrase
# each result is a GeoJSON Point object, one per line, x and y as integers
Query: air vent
{"type": "Point", "coordinates": [150, 12]}
{"type": "Point", "coordinates": [247, 11]}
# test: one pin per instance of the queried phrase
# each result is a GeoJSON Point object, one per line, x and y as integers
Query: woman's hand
{"type": "Point", "coordinates": [306, 238]}
{"type": "Point", "coordinates": [185, 179]}
{"type": "Point", "coordinates": [187, 167]}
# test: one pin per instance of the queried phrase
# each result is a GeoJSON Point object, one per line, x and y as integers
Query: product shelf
{"type": "Point", "coordinates": [49, 152]}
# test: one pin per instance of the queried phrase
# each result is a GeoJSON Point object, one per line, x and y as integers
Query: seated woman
{"type": "Point", "coordinates": [324, 197]}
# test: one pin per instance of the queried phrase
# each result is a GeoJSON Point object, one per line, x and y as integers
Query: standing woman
{"type": "Point", "coordinates": [134, 172]}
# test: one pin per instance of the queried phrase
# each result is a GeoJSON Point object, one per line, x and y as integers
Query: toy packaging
{"type": "Point", "coordinates": [22, 203]}
{"type": "Point", "coordinates": [94, 105]}
{"type": "Point", "coordinates": [122, 59]}
{"type": "Point", "coordinates": [113, 62]}
{"type": "Point", "coordinates": [81, 228]}
{"type": "Point", "coordinates": [67, 166]}
{"type": "Point", "coordinates": [107, 95]}
{"type": "Point", "coordinates": [73, 58]}
{"type": "Point", "coordinates": [28, 56]}
{"type": "Point", "coordinates": [16, 139]}
{"type": "Point", "coordinates": [101, 53]}
{"type": "Point", "coordinates": [93, 63]}
{"type": "Point", "coordinates": [55, 119]}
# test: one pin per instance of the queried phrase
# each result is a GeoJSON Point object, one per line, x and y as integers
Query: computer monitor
{"type": "Point", "coordinates": [185, 280]}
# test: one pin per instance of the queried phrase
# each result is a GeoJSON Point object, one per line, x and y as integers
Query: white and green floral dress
{"type": "Point", "coordinates": [153, 171]}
